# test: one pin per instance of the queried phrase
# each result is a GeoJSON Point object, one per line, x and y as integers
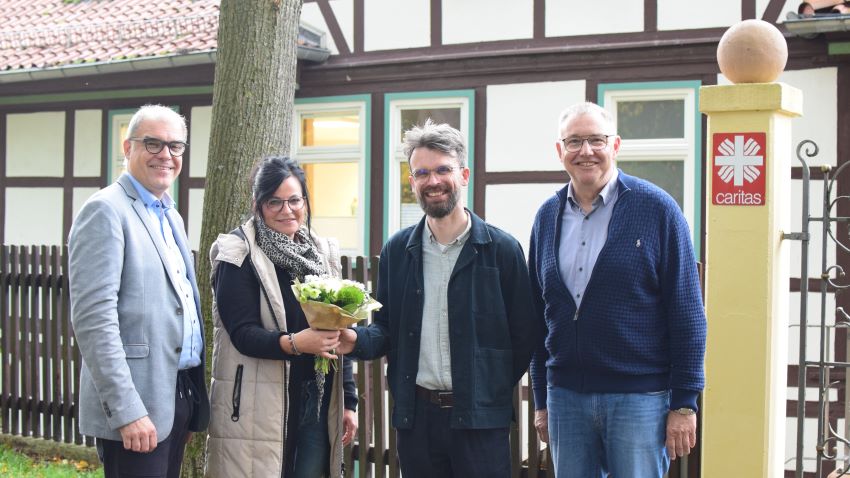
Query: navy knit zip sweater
{"type": "Point", "coordinates": [641, 325]}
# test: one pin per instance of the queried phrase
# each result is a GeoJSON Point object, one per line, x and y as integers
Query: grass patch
{"type": "Point", "coordinates": [19, 458]}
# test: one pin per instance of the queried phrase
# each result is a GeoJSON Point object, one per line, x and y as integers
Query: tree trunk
{"type": "Point", "coordinates": [251, 118]}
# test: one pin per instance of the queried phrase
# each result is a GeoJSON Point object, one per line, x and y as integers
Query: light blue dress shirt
{"type": "Point", "coordinates": [158, 211]}
{"type": "Point", "coordinates": [583, 236]}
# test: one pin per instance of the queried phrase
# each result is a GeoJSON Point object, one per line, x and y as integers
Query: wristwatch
{"type": "Point", "coordinates": [685, 411]}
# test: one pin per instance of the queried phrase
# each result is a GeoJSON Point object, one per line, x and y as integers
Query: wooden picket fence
{"type": "Point", "coordinates": [40, 369]}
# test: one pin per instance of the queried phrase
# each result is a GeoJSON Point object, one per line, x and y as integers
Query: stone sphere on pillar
{"type": "Point", "coordinates": [752, 51]}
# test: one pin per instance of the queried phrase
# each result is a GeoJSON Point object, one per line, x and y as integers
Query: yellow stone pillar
{"type": "Point", "coordinates": [748, 157]}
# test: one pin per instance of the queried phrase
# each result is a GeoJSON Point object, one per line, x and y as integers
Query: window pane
{"type": "Point", "coordinates": [334, 197]}
{"type": "Point", "coordinates": [668, 175]}
{"type": "Point", "coordinates": [330, 129]}
{"type": "Point", "coordinates": [410, 212]}
{"type": "Point", "coordinates": [412, 117]}
{"type": "Point", "coordinates": [651, 119]}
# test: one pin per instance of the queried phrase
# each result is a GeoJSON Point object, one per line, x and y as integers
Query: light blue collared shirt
{"type": "Point", "coordinates": [158, 210]}
{"type": "Point", "coordinates": [582, 237]}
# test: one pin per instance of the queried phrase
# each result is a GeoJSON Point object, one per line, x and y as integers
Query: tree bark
{"type": "Point", "coordinates": [251, 118]}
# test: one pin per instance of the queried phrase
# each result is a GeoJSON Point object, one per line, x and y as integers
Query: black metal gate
{"type": "Point", "coordinates": [832, 447]}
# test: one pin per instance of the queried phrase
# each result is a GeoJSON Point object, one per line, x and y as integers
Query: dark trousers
{"type": "Point", "coordinates": [165, 460]}
{"type": "Point", "coordinates": [432, 448]}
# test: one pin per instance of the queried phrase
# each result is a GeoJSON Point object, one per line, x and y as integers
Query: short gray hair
{"type": "Point", "coordinates": [439, 137]}
{"type": "Point", "coordinates": [155, 112]}
{"type": "Point", "coordinates": [584, 108]}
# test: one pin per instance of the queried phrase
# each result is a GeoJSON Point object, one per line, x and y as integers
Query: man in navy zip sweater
{"type": "Point", "coordinates": [612, 269]}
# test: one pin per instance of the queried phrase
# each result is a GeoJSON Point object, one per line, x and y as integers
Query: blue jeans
{"type": "Point", "coordinates": [596, 434]}
{"type": "Point", "coordinates": [312, 451]}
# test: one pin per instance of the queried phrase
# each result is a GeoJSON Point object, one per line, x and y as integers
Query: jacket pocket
{"type": "Point", "coordinates": [237, 393]}
{"type": "Point", "coordinates": [136, 350]}
{"type": "Point", "coordinates": [492, 369]}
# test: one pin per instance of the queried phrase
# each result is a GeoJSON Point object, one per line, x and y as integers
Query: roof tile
{"type": "Point", "coordinates": [49, 33]}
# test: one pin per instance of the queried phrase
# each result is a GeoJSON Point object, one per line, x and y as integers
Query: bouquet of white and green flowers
{"type": "Point", "coordinates": [330, 303]}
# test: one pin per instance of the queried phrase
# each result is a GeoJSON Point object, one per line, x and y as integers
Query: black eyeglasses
{"type": "Point", "coordinates": [154, 145]}
{"type": "Point", "coordinates": [596, 142]}
{"type": "Point", "coordinates": [423, 174]}
{"type": "Point", "coordinates": [296, 203]}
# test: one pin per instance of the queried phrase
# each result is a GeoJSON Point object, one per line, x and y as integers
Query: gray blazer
{"type": "Point", "coordinates": [127, 315]}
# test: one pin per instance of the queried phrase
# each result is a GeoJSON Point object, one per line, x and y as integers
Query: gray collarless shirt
{"type": "Point", "coordinates": [582, 237]}
{"type": "Point", "coordinates": [438, 262]}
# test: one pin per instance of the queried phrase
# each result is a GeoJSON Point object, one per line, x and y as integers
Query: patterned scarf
{"type": "Point", "coordinates": [299, 256]}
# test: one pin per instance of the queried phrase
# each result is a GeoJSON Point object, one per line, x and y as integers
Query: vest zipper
{"type": "Point", "coordinates": [237, 393]}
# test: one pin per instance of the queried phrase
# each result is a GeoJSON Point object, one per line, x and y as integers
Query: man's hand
{"type": "Point", "coordinates": [139, 436]}
{"type": "Point", "coordinates": [347, 339]}
{"type": "Point", "coordinates": [541, 423]}
{"type": "Point", "coordinates": [681, 434]}
{"type": "Point", "coordinates": [349, 426]}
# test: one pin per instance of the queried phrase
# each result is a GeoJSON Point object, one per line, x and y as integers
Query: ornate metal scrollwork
{"type": "Point", "coordinates": [834, 228]}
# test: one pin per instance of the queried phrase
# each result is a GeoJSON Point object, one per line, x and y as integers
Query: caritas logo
{"type": "Point", "coordinates": [738, 169]}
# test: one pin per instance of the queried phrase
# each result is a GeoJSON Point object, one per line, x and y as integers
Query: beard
{"type": "Point", "coordinates": [438, 209]}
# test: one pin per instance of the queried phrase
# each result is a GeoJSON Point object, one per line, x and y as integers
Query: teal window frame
{"type": "Point", "coordinates": [366, 135]}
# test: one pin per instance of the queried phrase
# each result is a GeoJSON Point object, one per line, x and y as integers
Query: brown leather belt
{"type": "Point", "coordinates": [441, 398]}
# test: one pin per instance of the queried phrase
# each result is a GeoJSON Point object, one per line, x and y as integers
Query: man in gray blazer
{"type": "Point", "coordinates": [135, 309]}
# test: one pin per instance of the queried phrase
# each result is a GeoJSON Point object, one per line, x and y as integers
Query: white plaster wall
{"type": "Point", "coordinates": [392, 24]}
{"type": "Point", "coordinates": [522, 124]}
{"type": "Point", "coordinates": [683, 15]}
{"type": "Point", "coordinates": [344, 13]}
{"type": "Point", "coordinates": [199, 140]}
{"type": "Point", "coordinates": [87, 142]}
{"type": "Point", "coordinates": [512, 207]}
{"type": "Point", "coordinates": [820, 111]}
{"type": "Point", "coordinates": [470, 21]}
{"type": "Point", "coordinates": [34, 216]}
{"type": "Point", "coordinates": [573, 17]}
{"type": "Point", "coordinates": [196, 214]}
{"type": "Point", "coordinates": [35, 144]}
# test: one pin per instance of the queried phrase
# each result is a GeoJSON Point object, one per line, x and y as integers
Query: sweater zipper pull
{"type": "Point", "coordinates": [575, 317]}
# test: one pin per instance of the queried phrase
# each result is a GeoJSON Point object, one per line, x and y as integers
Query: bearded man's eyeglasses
{"type": "Point", "coordinates": [423, 174]}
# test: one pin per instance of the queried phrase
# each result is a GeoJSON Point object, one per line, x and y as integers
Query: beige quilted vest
{"type": "Point", "coordinates": [253, 445]}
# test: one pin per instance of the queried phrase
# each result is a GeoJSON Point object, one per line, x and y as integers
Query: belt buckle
{"type": "Point", "coordinates": [443, 399]}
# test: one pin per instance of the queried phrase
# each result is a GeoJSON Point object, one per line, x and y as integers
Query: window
{"type": "Point", "coordinates": [660, 135]}
{"type": "Point", "coordinates": [331, 147]}
{"type": "Point", "coordinates": [406, 110]}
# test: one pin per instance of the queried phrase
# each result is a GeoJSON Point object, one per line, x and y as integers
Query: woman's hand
{"type": "Point", "coordinates": [349, 426]}
{"type": "Point", "coordinates": [317, 342]}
